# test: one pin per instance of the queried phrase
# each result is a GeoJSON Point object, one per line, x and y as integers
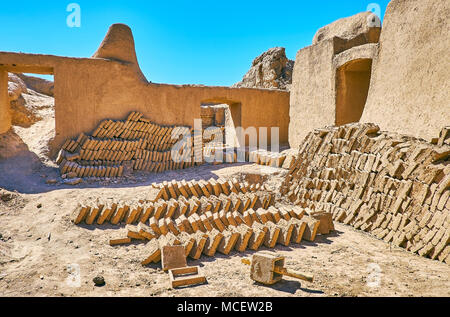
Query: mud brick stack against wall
{"type": "Point", "coordinates": [205, 217]}
{"type": "Point", "coordinates": [393, 186]}
{"type": "Point", "coordinates": [135, 143]}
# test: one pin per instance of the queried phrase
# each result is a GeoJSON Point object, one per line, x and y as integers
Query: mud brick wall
{"type": "Point", "coordinates": [393, 186]}
{"type": "Point", "coordinates": [135, 143]}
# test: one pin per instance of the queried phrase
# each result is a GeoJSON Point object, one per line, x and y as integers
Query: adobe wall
{"type": "Point", "coordinates": [410, 86]}
{"type": "Point", "coordinates": [5, 116]}
{"type": "Point", "coordinates": [110, 86]}
{"type": "Point", "coordinates": [316, 81]}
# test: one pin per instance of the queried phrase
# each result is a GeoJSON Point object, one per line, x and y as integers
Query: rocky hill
{"type": "Point", "coordinates": [272, 69]}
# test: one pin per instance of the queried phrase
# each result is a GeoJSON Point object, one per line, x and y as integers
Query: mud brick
{"type": "Point", "coordinates": [225, 186]}
{"type": "Point", "coordinates": [212, 243]}
{"type": "Point", "coordinates": [114, 242]}
{"type": "Point", "coordinates": [206, 223]}
{"type": "Point", "coordinates": [284, 213]}
{"type": "Point", "coordinates": [215, 187]}
{"type": "Point", "coordinates": [275, 214]}
{"type": "Point", "coordinates": [272, 235]}
{"type": "Point", "coordinates": [134, 215]}
{"type": "Point", "coordinates": [147, 214]}
{"type": "Point", "coordinates": [287, 230]}
{"type": "Point", "coordinates": [227, 205]}
{"type": "Point", "coordinates": [438, 236]}
{"type": "Point", "coordinates": [93, 214]}
{"type": "Point", "coordinates": [228, 242]}
{"type": "Point", "coordinates": [173, 257]}
{"type": "Point", "coordinates": [172, 226]}
{"type": "Point", "coordinates": [186, 224]}
{"type": "Point", "coordinates": [180, 225]}
{"type": "Point", "coordinates": [223, 218]}
{"type": "Point", "coordinates": [200, 244]}
{"type": "Point", "coordinates": [171, 208]}
{"type": "Point", "coordinates": [160, 210]}
{"type": "Point", "coordinates": [247, 219]}
{"type": "Point", "coordinates": [204, 189]}
{"type": "Point", "coordinates": [254, 202]}
{"type": "Point", "coordinates": [326, 222]}
{"type": "Point", "coordinates": [154, 224]}
{"type": "Point", "coordinates": [154, 252]}
{"type": "Point", "coordinates": [299, 230]}
{"type": "Point", "coordinates": [231, 220]}
{"type": "Point", "coordinates": [311, 230]}
{"type": "Point", "coordinates": [218, 223]}
{"type": "Point", "coordinates": [236, 204]}
{"type": "Point", "coordinates": [233, 188]}
{"type": "Point", "coordinates": [193, 207]}
{"type": "Point", "coordinates": [244, 240]}
{"type": "Point", "coordinates": [262, 216]}
{"type": "Point", "coordinates": [106, 214]}
{"type": "Point", "coordinates": [197, 188]}
{"type": "Point", "coordinates": [217, 206]}
{"type": "Point", "coordinates": [146, 231]}
{"type": "Point", "coordinates": [82, 214]}
{"type": "Point", "coordinates": [254, 216]}
{"type": "Point", "coordinates": [258, 237]}
{"type": "Point", "coordinates": [120, 213]}
{"type": "Point", "coordinates": [184, 189]}
{"type": "Point", "coordinates": [238, 218]}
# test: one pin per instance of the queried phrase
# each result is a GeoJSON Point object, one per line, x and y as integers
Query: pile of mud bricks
{"type": "Point", "coordinates": [205, 218]}
{"type": "Point", "coordinates": [136, 143]}
{"type": "Point", "coordinates": [393, 186]}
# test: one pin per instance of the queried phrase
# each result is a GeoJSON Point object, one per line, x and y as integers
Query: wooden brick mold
{"type": "Point", "coordinates": [393, 186]}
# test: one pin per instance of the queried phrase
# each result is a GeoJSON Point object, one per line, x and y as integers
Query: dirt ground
{"type": "Point", "coordinates": [38, 245]}
{"type": "Point", "coordinates": [41, 249]}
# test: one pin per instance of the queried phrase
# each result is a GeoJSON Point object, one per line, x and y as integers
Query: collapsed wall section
{"type": "Point", "coordinates": [393, 186]}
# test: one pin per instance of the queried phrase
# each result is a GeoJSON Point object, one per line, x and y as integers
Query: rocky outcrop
{"type": "Point", "coordinates": [16, 87]}
{"type": "Point", "coordinates": [272, 69]}
{"type": "Point", "coordinates": [23, 113]}
{"type": "Point", "coordinates": [37, 84]}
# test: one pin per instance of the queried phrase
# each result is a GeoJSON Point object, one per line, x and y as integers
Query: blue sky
{"type": "Point", "coordinates": [179, 41]}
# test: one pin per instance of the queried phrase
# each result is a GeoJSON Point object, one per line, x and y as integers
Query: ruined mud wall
{"type": "Point", "coordinates": [410, 85]}
{"type": "Point", "coordinates": [393, 186]}
{"type": "Point", "coordinates": [110, 85]}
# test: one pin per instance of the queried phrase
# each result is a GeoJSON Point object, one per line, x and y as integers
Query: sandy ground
{"type": "Point", "coordinates": [41, 249]}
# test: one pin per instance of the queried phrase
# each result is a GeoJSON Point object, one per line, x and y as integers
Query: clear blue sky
{"type": "Point", "coordinates": [177, 41]}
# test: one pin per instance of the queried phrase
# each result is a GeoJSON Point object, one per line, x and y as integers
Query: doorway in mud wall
{"type": "Point", "coordinates": [222, 116]}
{"type": "Point", "coordinates": [32, 110]}
{"type": "Point", "coordinates": [352, 88]}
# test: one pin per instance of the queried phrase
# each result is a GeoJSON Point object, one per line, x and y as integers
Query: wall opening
{"type": "Point", "coordinates": [32, 111]}
{"type": "Point", "coordinates": [352, 88]}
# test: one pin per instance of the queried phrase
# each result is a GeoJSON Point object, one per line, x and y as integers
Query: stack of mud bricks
{"type": "Point", "coordinates": [393, 186]}
{"type": "Point", "coordinates": [205, 218]}
{"type": "Point", "coordinates": [263, 157]}
{"type": "Point", "coordinates": [117, 147]}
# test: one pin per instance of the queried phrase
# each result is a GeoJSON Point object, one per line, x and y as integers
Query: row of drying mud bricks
{"type": "Point", "coordinates": [395, 187]}
{"type": "Point", "coordinates": [205, 230]}
{"type": "Point", "coordinates": [212, 187]}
